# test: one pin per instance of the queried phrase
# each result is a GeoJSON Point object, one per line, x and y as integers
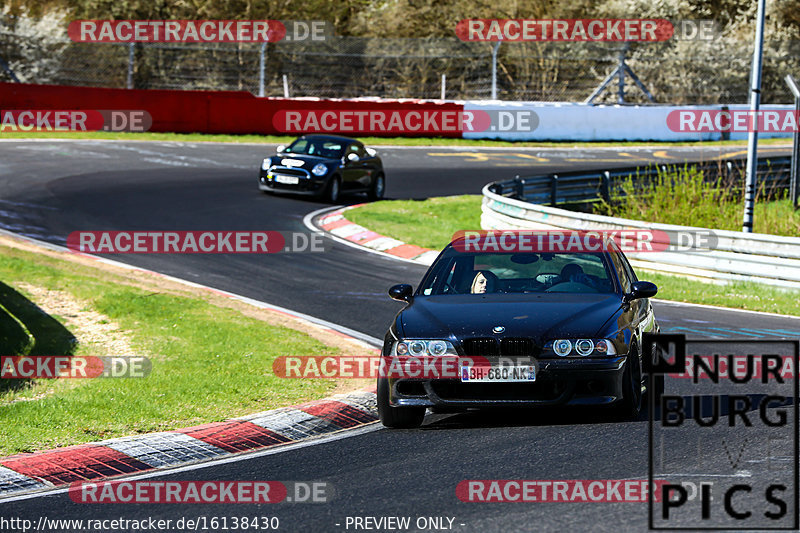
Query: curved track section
{"type": "Point", "coordinates": [51, 188]}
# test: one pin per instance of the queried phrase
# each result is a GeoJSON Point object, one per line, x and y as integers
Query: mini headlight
{"type": "Point", "coordinates": [319, 170]}
{"type": "Point", "coordinates": [402, 348]}
{"type": "Point", "coordinates": [562, 347]}
{"type": "Point", "coordinates": [437, 348]}
{"type": "Point", "coordinates": [584, 346]}
{"type": "Point", "coordinates": [266, 163]}
{"type": "Point", "coordinates": [416, 347]}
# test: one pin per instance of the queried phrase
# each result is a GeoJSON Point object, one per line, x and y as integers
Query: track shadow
{"type": "Point", "coordinates": [709, 408]}
{"type": "Point", "coordinates": [50, 337]}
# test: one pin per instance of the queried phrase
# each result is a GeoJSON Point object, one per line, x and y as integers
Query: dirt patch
{"type": "Point", "coordinates": [92, 329]}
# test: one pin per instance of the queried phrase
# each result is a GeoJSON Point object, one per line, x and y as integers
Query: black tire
{"type": "Point", "coordinates": [333, 191]}
{"type": "Point", "coordinates": [629, 407]}
{"type": "Point", "coordinates": [377, 189]}
{"type": "Point", "coordinates": [397, 417]}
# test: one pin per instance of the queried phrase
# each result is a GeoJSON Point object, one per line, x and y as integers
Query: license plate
{"type": "Point", "coordinates": [498, 374]}
{"type": "Point", "coordinates": [288, 180]}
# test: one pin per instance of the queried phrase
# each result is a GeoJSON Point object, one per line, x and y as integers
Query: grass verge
{"type": "Point", "coordinates": [211, 357]}
{"type": "Point", "coordinates": [373, 141]}
{"type": "Point", "coordinates": [431, 223]}
{"type": "Point", "coordinates": [682, 196]}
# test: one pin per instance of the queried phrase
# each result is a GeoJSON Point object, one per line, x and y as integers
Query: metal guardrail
{"type": "Point", "coordinates": [734, 256]}
{"type": "Point", "coordinates": [590, 186]}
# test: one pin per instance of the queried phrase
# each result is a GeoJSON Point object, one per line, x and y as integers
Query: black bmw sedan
{"type": "Point", "coordinates": [552, 328]}
{"type": "Point", "coordinates": [324, 166]}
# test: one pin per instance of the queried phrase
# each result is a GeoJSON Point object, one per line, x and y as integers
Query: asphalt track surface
{"type": "Point", "coordinates": [50, 188]}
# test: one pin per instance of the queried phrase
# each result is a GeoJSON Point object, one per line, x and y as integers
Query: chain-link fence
{"type": "Point", "coordinates": [347, 67]}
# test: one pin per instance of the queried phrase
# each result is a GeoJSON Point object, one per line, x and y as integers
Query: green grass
{"type": "Point", "coordinates": [684, 198]}
{"type": "Point", "coordinates": [431, 223]}
{"type": "Point", "coordinates": [372, 141]}
{"type": "Point", "coordinates": [737, 295]}
{"type": "Point", "coordinates": [208, 364]}
{"type": "Point", "coordinates": [428, 223]}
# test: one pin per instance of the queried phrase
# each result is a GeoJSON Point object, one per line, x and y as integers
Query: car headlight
{"type": "Point", "coordinates": [266, 163]}
{"type": "Point", "coordinates": [319, 170]}
{"type": "Point", "coordinates": [562, 347]}
{"type": "Point", "coordinates": [423, 347]}
{"type": "Point", "coordinates": [580, 347]}
{"type": "Point", "coordinates": [584, 346]}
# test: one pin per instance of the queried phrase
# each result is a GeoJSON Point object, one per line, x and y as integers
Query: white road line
{"type": "Point", "coordinates": [706, 306]}
{"type": "Point", "coordinates": [371, 341]}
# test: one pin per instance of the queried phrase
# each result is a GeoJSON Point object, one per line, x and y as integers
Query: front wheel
{"type": "Point", "coordinates": [397, 417]}
{"type": "Point", "coordinates": [630, 405]}
{"type": "Point", "coordinates": [334, 187]}
{"type": "Point", "coordinates": [378, 188]}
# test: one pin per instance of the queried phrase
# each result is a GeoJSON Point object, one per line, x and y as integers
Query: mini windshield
{"type": "Point", "coordinates": [318, 147]}
{"type": "Point", "coordinates": [481, 273]}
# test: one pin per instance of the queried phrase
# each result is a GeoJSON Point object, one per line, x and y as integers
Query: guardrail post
{"type": "Point", "coordinates": [519, 188]}
{"type": "Point", "coordinates": [554, 190]}
{"type": "Point", "coordinates": [605, 186]}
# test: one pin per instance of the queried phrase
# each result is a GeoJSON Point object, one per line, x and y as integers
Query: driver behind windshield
{"type": "Point", "coordinates": [484, 281]}
{"type": "Point", "coordinates": [575, 274]}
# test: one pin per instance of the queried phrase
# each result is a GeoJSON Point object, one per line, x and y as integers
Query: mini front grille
{"type": "Point", "coordinates": [481, 346]}
{"type": "Point", "coordinates": [290, 172]}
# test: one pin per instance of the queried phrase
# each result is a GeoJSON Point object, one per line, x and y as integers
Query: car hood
{"type": "Point", "coordinates": [539, 316]}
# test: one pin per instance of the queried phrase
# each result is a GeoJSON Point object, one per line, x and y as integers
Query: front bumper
{"type": "Point", "coordinates": [308, 184]}
{"type": "Point", "coordinates": [591, 381]}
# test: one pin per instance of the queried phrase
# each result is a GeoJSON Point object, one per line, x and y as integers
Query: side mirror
{"type": "Point", "coordinates": [281, 148]}
{"type": "Point", "coordinates": [352, 157]}
{"type": "Point", "coordinates": [401, 293]}
{"type": "Point", "coordinates": [641, 289]}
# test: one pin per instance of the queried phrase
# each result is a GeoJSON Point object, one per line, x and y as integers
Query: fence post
{"type": "Point", "coordinates": [444, 82]}
{"type": "Point", "coordinates": [285, 86]}
{"type": "Point", "coordinates": [793, 185]}
{"type": "Point", "coordinates": [495, 47]}
{"type": "Point", "coordinates": [553, 190]}
{"type": "Point", "coordinates": [621, 79]}
{"type": "Point", "coordinates": [261, 69]}
{"type": "Point", "coordinates": [605, 186]}
{"type": "Point", "coordinates": [130, 65]}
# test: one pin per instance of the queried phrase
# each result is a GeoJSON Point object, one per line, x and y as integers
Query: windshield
{"type": "Point", "coordinates": [480, 273]}
{"type": "Point", "coordinates": [318, 147]}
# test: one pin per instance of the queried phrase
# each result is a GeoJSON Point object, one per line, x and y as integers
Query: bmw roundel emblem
{"type": "Point", "coordinates": [498, 329]}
